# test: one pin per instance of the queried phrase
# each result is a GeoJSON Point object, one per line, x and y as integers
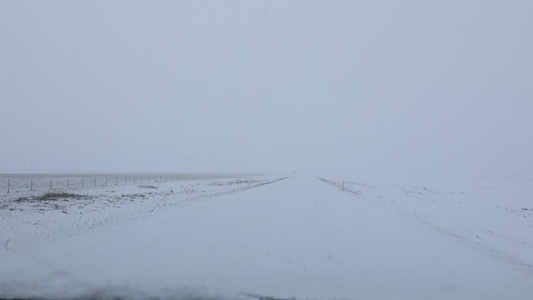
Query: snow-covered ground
{"type": "Point", "coordinates": [304, 237]}
{"type": "Point", "coordinates": [496, 216]}
{"type": "Point", "coordinates": [43, 216]}
{"type": "Point", "coordinates": [37, 181]}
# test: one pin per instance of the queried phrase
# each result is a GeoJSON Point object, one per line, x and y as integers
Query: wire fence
{"type": "Point", "coordinates": [38, 182]}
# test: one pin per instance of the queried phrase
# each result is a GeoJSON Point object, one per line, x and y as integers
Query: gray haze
{"type": "Point", "coordinates": [440, 88]}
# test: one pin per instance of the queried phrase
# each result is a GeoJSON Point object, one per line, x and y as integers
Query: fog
{"type": "Point", "coordinates": [384, 88]}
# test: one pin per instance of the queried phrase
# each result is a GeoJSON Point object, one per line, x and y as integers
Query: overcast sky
{"type": "Point", "coordinates": [440, 88]}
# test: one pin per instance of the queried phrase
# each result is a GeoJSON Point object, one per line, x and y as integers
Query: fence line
{"type": "Point", "coordinates": [41, 182]}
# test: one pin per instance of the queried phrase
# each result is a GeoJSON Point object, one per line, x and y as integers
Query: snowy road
{"type": "Point", "coordinates": [298, 237]}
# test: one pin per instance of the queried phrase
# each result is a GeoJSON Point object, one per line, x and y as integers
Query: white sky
{"type": "Point", "coordinates": [422, 88]}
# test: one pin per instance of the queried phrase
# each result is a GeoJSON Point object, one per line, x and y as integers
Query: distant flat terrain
{"type": "Point", "coordinates": [23, 182]}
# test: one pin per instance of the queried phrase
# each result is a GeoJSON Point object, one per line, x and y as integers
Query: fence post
{"type": "Point", "coordinates": [68, 179]}
{"type": "Point", "coordinates": [116, 180]}
{"type": "Point", "coordinates": [31, 184]}
{"type": "Point", "coordinates": [50, 183]}
{"type": "Point", "coordinates": [8, 185]}
{"type": "Point", "coordinates": [94, 181]}
{"type": "Point", "coordinates": [106, 181]}
{"type": "Point", "coordinates": [82, 182]}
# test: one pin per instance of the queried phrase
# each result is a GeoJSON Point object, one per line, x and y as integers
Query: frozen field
{"type": "Point", "coordinates": [496, 216]}
{"type": "Point", "coordinates": [270, 236]}
{"type": "Point", "coordinates": [16, 183]}
{"type": "Point", "coordinates": [44, 215]}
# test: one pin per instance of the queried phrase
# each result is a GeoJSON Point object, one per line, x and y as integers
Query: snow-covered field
{"type": "Point", "coordinates": [257, 237]}
{"type": "Point", "coordinates": [496, 216]}
{"type": "Point", "coordinates": [24, 182]}
{"type": "Point", "coordinates": [42, 216]}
